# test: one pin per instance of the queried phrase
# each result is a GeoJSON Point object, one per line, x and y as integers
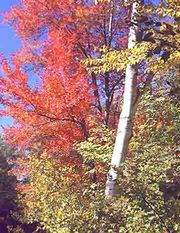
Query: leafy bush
{"type": "Point", "coordinates": [62, 197]}
{"type": "Point", "coordinates": [99, 145]}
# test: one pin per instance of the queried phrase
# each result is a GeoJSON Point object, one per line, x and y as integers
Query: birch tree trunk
{"type": "Point", "coordinates": [125, 125]}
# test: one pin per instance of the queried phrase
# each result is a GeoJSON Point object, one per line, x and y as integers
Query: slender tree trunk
{"type": "Point", "coordinates": [125, 125]}
{"type": "Point", "coordinates": [107, 98]}
{"type": "Point", "coordinates": [96, 93]}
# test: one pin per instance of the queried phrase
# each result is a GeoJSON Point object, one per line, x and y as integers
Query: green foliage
{"type": "Point", "coordinates": [149, 182]}
{"type": "Point", "coordinates": [55, 194]}
{"type": "Point", "coordinates": [65, 194]}
{"type": "Point", "coordinates": [61, 196]}
{"type": "Point", "coordinates": [7, 187]}
{"type": "Point", "coordinates": [150, 178]}
{"type": "Point", "coordinates": [9, 223]}
{"type": "Point", "coordinates": [99, 145]}
{"type": "Point", "coordinates": [113, 60]}
{"type": "Point", "coordinates": [10, 219]}
{"type": "Point", "coordinates": [158, 31]}
{"type": "Point", "coordinates": [147, 199]}
{"type": "Point", "coordinates": [160, 122]}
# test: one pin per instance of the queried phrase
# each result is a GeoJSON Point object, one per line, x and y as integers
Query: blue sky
{"type": "Point", "coordinates": [9, 43]}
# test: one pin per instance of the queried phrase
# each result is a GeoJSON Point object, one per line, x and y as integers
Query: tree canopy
{"type": "Point", "coordinates": [106, 105]}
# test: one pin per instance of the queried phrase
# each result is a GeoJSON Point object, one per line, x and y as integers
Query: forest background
{"type": "Point", "coordinates": [65, 87]}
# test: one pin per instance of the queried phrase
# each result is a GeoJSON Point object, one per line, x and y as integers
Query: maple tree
{"type": "Point", "coordinates": [43, 113]}
{"type": "Point", "coordinates": [56, 36]}
{"type": "Point", "coordinates": [79, 51]}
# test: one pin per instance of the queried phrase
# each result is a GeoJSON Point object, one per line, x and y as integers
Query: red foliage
{"type": "Point", "coordinates": [55, 114]}
{"type": "Point", "coordinates": [56, 36]}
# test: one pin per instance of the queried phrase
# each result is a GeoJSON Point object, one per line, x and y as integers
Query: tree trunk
{"type": "Point", "coordinates": [125, 125]}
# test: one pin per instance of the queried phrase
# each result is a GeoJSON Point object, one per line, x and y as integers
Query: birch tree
{"type": "Point", "coordinates": [130, 96]}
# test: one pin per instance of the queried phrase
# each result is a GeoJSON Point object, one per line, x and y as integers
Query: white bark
{"type": "Point", "coordinates": [125, 125]}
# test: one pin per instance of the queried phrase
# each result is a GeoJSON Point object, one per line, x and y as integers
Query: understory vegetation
{"type": "Point", "coordinates": [94, 144]}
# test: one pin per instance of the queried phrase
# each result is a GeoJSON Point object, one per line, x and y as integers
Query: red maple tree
{"type": "Point", "coordinates": [56, 36]}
